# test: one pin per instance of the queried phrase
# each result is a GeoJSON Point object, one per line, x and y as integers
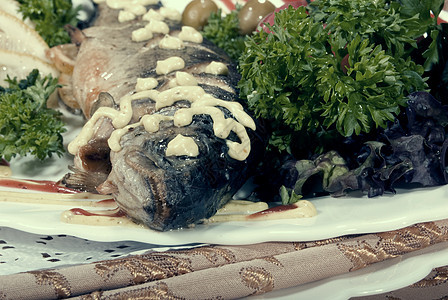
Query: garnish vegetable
{"type": "Point", "coordinates": [50, 17]}
{"type": "Point", "coordinates": [342, 67]}
{"type": "Point", "coordinates": [337, 83]}
{"type": "Point", "coordinates": [27, 126]}
{"type": "Point", "coordinates": [197, 13]}
{"type": "Point", "coordinates": [224, 31]}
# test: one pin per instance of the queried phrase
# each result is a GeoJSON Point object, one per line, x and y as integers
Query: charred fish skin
{"type": "Point", "coordinates": [173, 192]}
{"type": "Point", "coordinates": [155, 186]}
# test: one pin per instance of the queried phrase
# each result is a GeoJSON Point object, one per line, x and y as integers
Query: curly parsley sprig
{"type": "Point", "coordinates": [50, 17]}
{"type": "Point", "coordinates": [340, 65]}
{"type": "Point", "coordinates": [223, 30]}
{"type": "Point", "coordinates": [27, 126]}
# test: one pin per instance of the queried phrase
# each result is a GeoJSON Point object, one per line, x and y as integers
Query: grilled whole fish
{"type": "Point", "coordinates": [171, 145]}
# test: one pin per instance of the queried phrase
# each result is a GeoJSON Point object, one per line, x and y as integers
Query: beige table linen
{"type": "Point", "coordinates": [222, 272]}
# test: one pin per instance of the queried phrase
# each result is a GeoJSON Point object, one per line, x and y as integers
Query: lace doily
{"type": "Point", "coordinates": [22, 251]}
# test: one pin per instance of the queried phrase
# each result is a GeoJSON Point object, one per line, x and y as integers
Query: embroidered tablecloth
{"type": "Point", "coordinates": [229, 272]}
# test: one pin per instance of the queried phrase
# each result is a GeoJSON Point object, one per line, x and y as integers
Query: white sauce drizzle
{"type": "Point", "coordinates": [158, 27]}
{"type": "Point", "coordinates": [201, 103]}
{"type": "Point", "coordinates": [183, 87]}
{"type": "Point", "coordinates": [183, 79]}
{"type": "Point", "coordinates": [5, 171]}
{"type": "Point", "coordinates": [190, 34]}
{"type": "Point", "coordinates": [217, 68]}
{"type": "Point", "coordinates": [117, 4]}
{"type": "Point", "coordinates": [169, 65]}
{"type": "Point", "coordinates": [120, 4]}
{"type": "Point", "coordinates": [145, 2]}
{"type": "Point", "coordinates": [171, 42]}
{"type": "Point", "coordinates": [152, 122]}
{"type": "Point", "coordinates": [141, 34]}
{"type": "Point", "coordinates": [182, 145]}
{"type": "Point", "coordinates": [170, 13]}
{"type": "Point", "coordinates": [301, 209]}
{"type": "Point", "coordinates": [125, 16]}
{"type": "Point", "coordinates": [144, 84]}
{"type": "Point", "coordinates": [137, 9]}
{"type": "Point", "coordinates": [189, 93]}
{"type": "Point", "coordinates": [152, 15]}
{"type": "Point", "coordinates": [241, 207]}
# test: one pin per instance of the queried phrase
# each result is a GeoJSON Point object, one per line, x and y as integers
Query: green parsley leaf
{"type": "Point", "coordinates": [27, 126]}
{"type": "Point", "coordinates": [223, 31]}
{"type": "Point", "coordinates": [339, 65]}
{"type": "Point", "coordinates": [50, 17]}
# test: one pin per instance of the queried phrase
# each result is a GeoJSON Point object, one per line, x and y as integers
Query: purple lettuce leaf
{"type": "Point", "coordinates": [408, 151]}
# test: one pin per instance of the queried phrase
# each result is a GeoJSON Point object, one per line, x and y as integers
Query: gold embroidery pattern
{"type": "Point", "coordinates": [258, 279]}
{"type": "Point", "coordinates": [160, 291]}
{"type": "Point", "coordinates": [144, 268]}
{"type": "Point", "coordinates": [305, 245]}
{"type": "Point", "coordinates": [93, 296]}
{"type": "Point", "coordinates": [273, 260]}
{"type": "Point", "coordinates": [392, 244]}
{"type": "Point", "coordinates": [363, 254]}
{"type": "Point", "coordinates": [211, 253]}
{"type": "Point", "coordinates": [58, 281]}
{"type": "Point", "coordinates": [439, 277]}
{"type": "Point", "coordinates": [412, 238]}
{"type": "Point", "coordinates": [299, 246]}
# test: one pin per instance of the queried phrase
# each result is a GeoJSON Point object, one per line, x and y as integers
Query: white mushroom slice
{"type": "Point", "coordinates": [20, 65]}
{"type": "Point", "coordinates": [12, 7]}
{"type": "Point", "coordinates": [18, 37]}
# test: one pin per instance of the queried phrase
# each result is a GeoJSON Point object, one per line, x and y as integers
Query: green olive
{"type": "Point", "coordinates": [252, 12]}
{"type": "Point", "coordinates": [197, 12]}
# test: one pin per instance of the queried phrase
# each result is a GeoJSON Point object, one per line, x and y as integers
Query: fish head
{"type": "Point", "coordinates": [162, 191]}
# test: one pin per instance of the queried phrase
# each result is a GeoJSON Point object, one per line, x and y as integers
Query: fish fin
{"type": "Point", "coordinates": [107, 188]}
{"type": "Point", "coordinates": [153, 175]}
{"type": "Point", "coordinates": [65, 92]}
{"type": "Point", "coordinates": [104, 100]}
{"type": "Point", "coordinates": [76, 34]}
{"type": "Point", "coordinates": [83, 181]}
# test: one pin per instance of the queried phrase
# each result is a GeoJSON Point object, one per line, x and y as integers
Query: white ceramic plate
{"type": "Point", "coordinates": [379, 278]}
{"type": "Point", "coordinates": [336, 217]}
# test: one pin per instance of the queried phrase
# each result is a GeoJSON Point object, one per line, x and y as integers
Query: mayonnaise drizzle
{"type": "Point", "coordinates": [141, 34]}
{"type": "Point", "coordinates": [5, 171]}
{"type": "Point", "coordinates": [169, 65]}
{"type": "Point", "coordinates": [170, 13]}
{"type": "Point", "coordinates": [182, 145]}
{"type": "Point", "coordinates": [201, 103]}
{"type": "Point", "coordinates": [184, 87]}
{"type": "Point", "coordinates": [158, 27]}
{"type": "Point", "coordinates": [146, 84]}
{"type": "Point", "coordinates": [152, 15]}
{"type": "Point", "coordinates": [217, 68]}
{"type": "Point", "coordinates": [183, 78]}
{"type": "Point", "coordinates": [137, 9]}
{"type": "Point", "coordinates": [120, 4]}
{"type": "Point", "coordinates": [190, 34]}
{"type": "Point", "coordinates": [125, 16]}
{"type": "Point", "coordinates": [171, 42]}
